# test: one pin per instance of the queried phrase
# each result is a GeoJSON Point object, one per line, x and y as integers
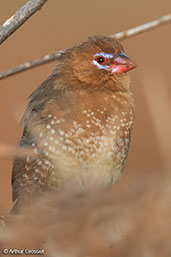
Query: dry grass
{"type": "Point", "coordinates": [10, 151]}
{"type": "Point", "coordinates": [132, 220]}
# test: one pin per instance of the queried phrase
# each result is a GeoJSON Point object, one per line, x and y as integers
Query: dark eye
{"type": "Point", "coordinates": [100, 59]}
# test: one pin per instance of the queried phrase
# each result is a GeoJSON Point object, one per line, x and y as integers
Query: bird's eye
{"type": "Point", "coordinates": [100, 59]}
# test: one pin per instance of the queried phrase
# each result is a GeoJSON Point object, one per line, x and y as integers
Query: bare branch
{"type": "Point", "coordinates": [32, 64]}
{"type": "Point", "coordinates": [121, 36]}
{"type": "Point", "coordinates": [142, 28]}
{"type": "Point", "coordinates": [21, 15]}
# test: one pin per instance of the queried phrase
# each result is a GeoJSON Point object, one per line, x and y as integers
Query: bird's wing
{"type": "Point", "coordinates": [36, 114]}
{"type": "Point", "coordinates": [19, 167]}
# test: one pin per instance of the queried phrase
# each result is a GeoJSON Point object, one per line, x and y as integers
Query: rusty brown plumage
{"type": "Point", "coordinates": [78, 122]}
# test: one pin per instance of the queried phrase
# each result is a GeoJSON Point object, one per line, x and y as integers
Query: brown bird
{"type": "Point", "coordinates": [78, 122]}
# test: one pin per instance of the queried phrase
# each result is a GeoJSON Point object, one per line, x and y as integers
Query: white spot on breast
{"type": "Point", "coordinates": [27, 168]}
{"type": "Point", "coordinates": [36, 170]}
{"type": "Point", "coordinates": [51, 149]}
{"type": "Point", "coordinates": [35, 150]}
{"type": "Point", "coordinates": [39, 162]}
{"type": "Point", "coordinates": [124, 113]}
{"type": "Point", "coordinates": [47, 162]}
{"type": "Point", "coordinates": [126, 140]}
{"type": "Point", "coordinates": [52, 131]}
{"type": "Point", "coordinates": [34, 177]}
{"type": "Point", "coordinates": [47, 153]}
{"type": "Point", "coordinates": [61, 132]}
{"type": "Point", "coordinates": [25, 176]}
{"type": "Point", "coordinates": [40, 182]}
{"type": "Point", "coordinates": [43, 175]}
{"type": "Point", "coordinates": [64, 147]}
{"type": "Point", "coordinates": [71, 149]}
{"type": "Point", "coordinates": [28, 159]}
{"type": "Point", "coordinates": [67, 141]}
{"type": "Point", "coordinates": [88, 125]}
{"type": "Point", "coordinates": [56, 142]}
{"type": "Point", "coordinates": [121, 142]}
{"type": "Point", "coordinates": [52, 122]}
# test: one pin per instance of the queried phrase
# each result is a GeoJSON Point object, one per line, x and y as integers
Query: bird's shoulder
{"type": "Point", "coordinates": [50, 97]}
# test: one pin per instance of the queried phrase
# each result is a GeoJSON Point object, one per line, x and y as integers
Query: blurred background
{"type": "Point", "coordinates": [62, 24]}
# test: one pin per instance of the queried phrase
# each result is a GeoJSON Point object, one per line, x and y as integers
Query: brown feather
{"type": "Point", "coordinates": [78, 122]}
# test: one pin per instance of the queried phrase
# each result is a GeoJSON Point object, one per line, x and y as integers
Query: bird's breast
{"type": "Point", "coordinates": [88, 148]}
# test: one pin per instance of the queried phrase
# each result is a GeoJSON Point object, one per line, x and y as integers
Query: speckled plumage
{"type": "Point", "coordinates": [79, 123]}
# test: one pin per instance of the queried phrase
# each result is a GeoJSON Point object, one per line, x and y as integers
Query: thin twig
{"type": "Point", "coordinates": [21, 15]}
{"type": "Point", "coordinates": [121, 36]}
{"type": "Point", "coordinates": [29, 65]}
{"type": "Point", "coordinates": [142, 28]}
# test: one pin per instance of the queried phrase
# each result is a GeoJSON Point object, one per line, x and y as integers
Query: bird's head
{"type": "Point", "coordinates": [99, 62]}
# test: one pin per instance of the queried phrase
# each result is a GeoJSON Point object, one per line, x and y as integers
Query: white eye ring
{"type": "Point", "coordinates": [100, 66]}
{"type": "Point", "coordinates": [104, 55]}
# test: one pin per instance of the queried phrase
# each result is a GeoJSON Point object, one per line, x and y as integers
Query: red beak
{"type": "Point", "coordinates": [121, 63]}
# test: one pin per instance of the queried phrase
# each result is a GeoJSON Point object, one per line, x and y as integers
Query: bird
{"type": "Point", "coordinates": [78, 122]}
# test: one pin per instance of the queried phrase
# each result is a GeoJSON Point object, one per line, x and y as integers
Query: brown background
{"type": "Point", "coordinates": [61, 24]}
